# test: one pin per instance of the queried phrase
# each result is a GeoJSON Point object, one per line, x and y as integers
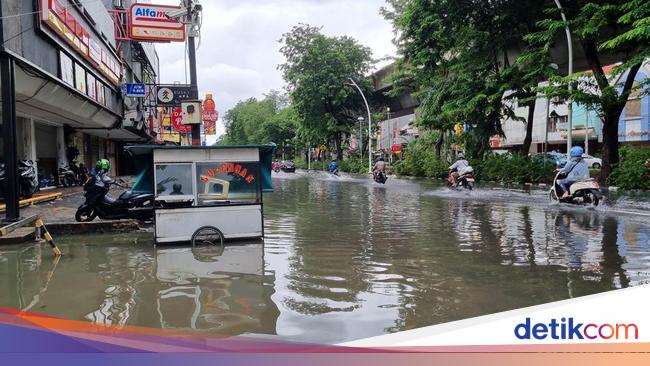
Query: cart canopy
{"type": "Point", "coordinates": [142, 156]}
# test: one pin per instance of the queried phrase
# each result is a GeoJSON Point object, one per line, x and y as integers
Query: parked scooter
{"type": "Point", "coordinates": [28, 180]}
{"type": "Point", "coordinates": [67, 176]}
{"type": "Point", "coordinates": [585, 192]}
{"type": "Point", "coordinates": [128, 205]}
{"type": "Point", "coordinates": [465, 179]}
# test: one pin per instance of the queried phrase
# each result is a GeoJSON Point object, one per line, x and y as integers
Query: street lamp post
{"type": "Point", "coordinates": [569, 139]}
{"type": "Point", "coordinates": [360, 119]}
{"type": "Point", "coordinates": [369, 125]}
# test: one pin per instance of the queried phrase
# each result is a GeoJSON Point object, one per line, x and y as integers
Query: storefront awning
{"type": "Point", "coordinates": [117, 134]}
{"type": "Point", "coordinates": [42, 96]}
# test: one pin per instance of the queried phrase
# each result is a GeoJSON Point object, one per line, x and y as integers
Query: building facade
{"type": "Point", "coordinates": [396, 128]}
{"type": "Point", "coordinates": [550, 123]}
{"type": "Point", "coordinates": [69, 72]}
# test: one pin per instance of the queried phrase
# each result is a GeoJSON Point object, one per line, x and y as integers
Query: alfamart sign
{"type": "Point", "coordinates": [151, 23]}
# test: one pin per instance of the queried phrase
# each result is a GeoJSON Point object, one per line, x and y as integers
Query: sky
{"type": "Point", "coordinates": [239, 51]}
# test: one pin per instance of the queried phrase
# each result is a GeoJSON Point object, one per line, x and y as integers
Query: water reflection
{"type": "Point", "coordinates": [360, 260]}
{"type": "Point", "coordinates": [342, 259]}
{"type": "Point", "coordinates": [217, 290]}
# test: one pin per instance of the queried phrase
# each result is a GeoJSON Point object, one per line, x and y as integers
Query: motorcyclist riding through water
{"type": "Point", "coordinates": [379, 168]}
{"type": "Point", "coordinates": [333, 167]}
{"type": "Point", "coordinates": [456, 168]}
{"type": "Point", "coordinates": [576, 170]}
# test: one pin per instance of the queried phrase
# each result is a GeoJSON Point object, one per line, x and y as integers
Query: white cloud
{"type": "Point", "coordinates": [239, 50]}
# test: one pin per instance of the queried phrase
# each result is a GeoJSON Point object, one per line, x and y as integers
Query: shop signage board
{"type": "Point", "coordinates": [67, 68]}
{"type": "Point", "coordinates": [149, 22]}
{"type": "Point", "coordinates": [173, 94]}
{"type": "Point", "coordinates": [65, 22]}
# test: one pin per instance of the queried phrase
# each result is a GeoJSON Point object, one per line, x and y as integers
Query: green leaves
{"type": "Point", "coordinates": [261, 121]}
{"type": "Point", "coordinates": [316, 70]}
{"type": "Point", "coordinates": [457, 56]}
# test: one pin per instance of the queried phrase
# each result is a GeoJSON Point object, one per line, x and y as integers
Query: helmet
{"type": "Point", "coordinates": [460, 155]}
{"type": "Point", "coordinates": [577, 151]}
{"type": "Point", "coordinates": [103, 164]}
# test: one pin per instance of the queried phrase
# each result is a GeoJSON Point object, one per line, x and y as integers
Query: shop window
{"type": "Point", "coordinates": [174, 182]}
{"type": "Point", "coordinates": [633, 106]}
{"type": "Point", "coordinates": [227, 183]}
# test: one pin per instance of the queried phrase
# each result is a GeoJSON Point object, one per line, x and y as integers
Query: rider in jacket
{"type": "Point", "coordinates": [576, 170]}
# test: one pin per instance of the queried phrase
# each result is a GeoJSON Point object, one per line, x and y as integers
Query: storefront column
{"type": "Point", "coordinates": [60, 147]}
{"type": "Point", "coordinates": [29, 140]}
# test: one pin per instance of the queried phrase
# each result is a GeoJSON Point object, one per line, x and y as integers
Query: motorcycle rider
{"type": "Point", "coordinates": [99, 182]}
{"type": "Point", "coordinates": [333, 167]}
{"type": "Point", "coordinates": [456, 168]}
{"type": "Point", "coordinates": [379, 168]}
{"type": "Point", "coordinates": [576, 170]}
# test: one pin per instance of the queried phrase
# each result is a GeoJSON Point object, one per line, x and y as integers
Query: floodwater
{"type": "Point", "coordinates": [343, 259]}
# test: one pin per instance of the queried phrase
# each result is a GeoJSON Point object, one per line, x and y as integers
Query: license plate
{"type": "Point", "coordinates": [470, 180]}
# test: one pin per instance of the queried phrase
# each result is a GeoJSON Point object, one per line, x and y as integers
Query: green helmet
{"type": "Point", "coordinates": [103, 164]}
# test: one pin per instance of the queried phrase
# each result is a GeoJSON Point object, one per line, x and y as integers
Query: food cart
{"type": "Point", "coordinates": [203, 193]}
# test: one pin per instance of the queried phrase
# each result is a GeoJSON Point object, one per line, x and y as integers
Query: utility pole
{"type": "Point", "coordinates": [191, 54]}
{"type": "Point", "coordinates": [8, 91]}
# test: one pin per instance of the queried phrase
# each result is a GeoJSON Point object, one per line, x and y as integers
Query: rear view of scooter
{"type": "Point", "coordinates": [585, 192]}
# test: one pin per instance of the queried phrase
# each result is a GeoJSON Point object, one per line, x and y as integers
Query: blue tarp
{"type": "Point", "coordinates": [142, 156]}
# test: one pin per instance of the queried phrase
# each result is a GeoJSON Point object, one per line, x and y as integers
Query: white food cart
{"type": "Point", "coordinates": [205, 192]}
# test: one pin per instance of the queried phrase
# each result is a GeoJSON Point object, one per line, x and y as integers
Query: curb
{"type": "Point", "coordinates": [100, 227]}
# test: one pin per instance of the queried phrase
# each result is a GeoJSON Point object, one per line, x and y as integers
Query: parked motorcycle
{"type": "Point", "coordinates": [379, 177]}
{"type": "Point", "coordinates": [28, 180]}
{"type": "Point", "coordinates": [128, 205]}
{"type": "Point", "coordinates": [67, 176]}
{"type": "Point", "coordinates": [584, 192]}
{"type": "Point", "coordinates": [465, 179]}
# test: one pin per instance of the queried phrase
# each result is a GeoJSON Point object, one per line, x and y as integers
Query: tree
{"type": "Point", "coordinates": [459, 54]}
{"type": "Point", "coordinates": [262, 121]}
{"type": "Point", "coordinates": [605, 29]}
{"type": "Point", "coordinates": [316, 70]}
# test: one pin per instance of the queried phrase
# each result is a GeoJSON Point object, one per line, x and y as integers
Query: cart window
{"type": "Point", "coordinates": [227, 183]}
{"type": "Point", "coordinates": [174, 182]}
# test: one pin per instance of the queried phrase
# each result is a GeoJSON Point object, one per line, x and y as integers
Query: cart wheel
{"type": "Point", "coordinates": [207, 235]}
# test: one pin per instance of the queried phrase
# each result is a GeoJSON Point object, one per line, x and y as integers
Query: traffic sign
{"type": "Point", "coordinates": [136, 90]}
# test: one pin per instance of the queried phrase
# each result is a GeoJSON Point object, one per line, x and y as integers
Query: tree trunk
{"type": "Point", "coordinates": [525, 148]}
{"type": "Point", "coordinates": [610, 141]}
{"type": "Point", "coordinates": [338, 146]}
{"type": "Point", "coordinates": [438, 146]}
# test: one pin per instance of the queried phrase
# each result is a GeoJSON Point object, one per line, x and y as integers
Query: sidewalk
{"type": "Point", "coordinates": [58, 215]}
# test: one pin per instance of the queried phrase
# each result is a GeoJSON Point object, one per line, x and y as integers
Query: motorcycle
{"type": "Point", "coordinates": [67, 177]}
{"type": "Point", "coordinates": [584, 192]}
{"type": "Point", "coordinates": [379, 177]}
{"type": "Point", "coordinates": [465, 179]}
{"type": "Point", "coordinates": [128, 205]}
{"type": "Point", "coordinates": [28, 179]}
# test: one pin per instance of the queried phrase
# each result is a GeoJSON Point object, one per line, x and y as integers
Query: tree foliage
{"type": "Point", "coordinates": [459, 56]}
{"type": "Point", "coordinates": [254, 121]}
{"type": "Point", "coordinates": [317, 69]}
{"type": "Point", "coordinates": [605, 30]}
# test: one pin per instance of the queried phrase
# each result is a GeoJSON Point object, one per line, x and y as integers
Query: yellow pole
{"type": "Point", "coordinates": [42, 230]}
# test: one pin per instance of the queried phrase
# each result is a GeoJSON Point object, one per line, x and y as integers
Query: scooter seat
{"type": "Point", "coordinates": [127, 195]}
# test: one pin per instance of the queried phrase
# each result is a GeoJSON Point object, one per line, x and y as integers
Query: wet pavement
{"type": "Point", "coordinates": [344, 258]}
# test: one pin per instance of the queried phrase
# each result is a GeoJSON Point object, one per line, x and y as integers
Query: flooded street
{"type": "Point", "coordinates": [343, 259]}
